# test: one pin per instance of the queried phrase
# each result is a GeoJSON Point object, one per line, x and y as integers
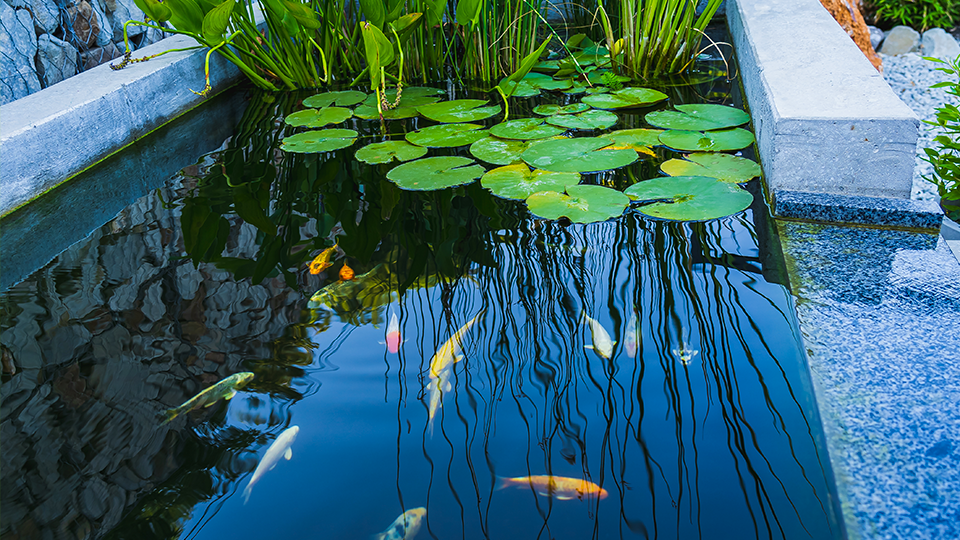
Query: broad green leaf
{"type": "Point", "coordinates": [525, 129]}
{"type": "Point", "coordinates": [318, 118]}
{"type": "Point", "coordinates": [344, 98]}
{"type": "Point", "coordinates": [523, 69]}
{"type": "Point", "coordinates": [468, 12]}
{"type": "Point", "coordinates": [393, 10]}
{"type": "Point", "coordinates": [434, 11]}
{"type": "Point", "coordinates": [550, 109]}
{"type": "Point", "coordinates": [458, 110]}
{"type": "Point", "coordinates": [434, 173]}
{"type": "Point", "coordinates": [501, 151]}
{"type": "Point", "coordinates": [723, 167]}
{"type": "Point", "coordinates": [387, 151]}
{"type": "Point", "coordinates": [588, 120]}
{"type": "Point", "coordinates": [374, 11]}
{"type": "Point", "coordinates": [378, 50]}
{"type": "Point", "coordinates": [584, 154]}
{"type": "Point", "coordinates": [700, 117]}
{"type": "Point", "coordinates": [186, 15]}
{"type": "Point", "coordinates": [324, 140]}
{"type": "Point", "coordinates": [692, 198]}
{"type": "Point", "coordinates": [406, 25]}
{"type": "Point", "coordinates": [519, 182]}
{"type": "Point", "coordinates": [447, 135]}
{"type": "Point", "coordinates": [154, 9]}
{"type": "Point", "coordinates": [635, 139]}
{"type": "Point", "coordinates": [707, 141]}
{"type": "Point", "coordinates": [302, 13]}
{"type": "Point", "coordinates": [580, 204]}
{"type": "Point", "coordinates": [625, 98]}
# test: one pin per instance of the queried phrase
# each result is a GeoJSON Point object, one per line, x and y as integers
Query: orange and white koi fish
{"type": "Point", "coordinates": [404, 527]}
{"type": "Point", "coordinates": [279, 449]}
{"type": "Point", "coordinates": [436, 388]}
{"type": "Point", "coordinates": [322, 261]}
{"type": "Point", "coordinates": [449, 353]}
{"type": "Point", "coordinates": [394, 339]}
{"type": "Point", "coordinates": [558, 487]}
{"type": "Point", "coordinates": [602, 344]}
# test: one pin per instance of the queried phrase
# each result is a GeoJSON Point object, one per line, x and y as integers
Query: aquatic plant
{"type": "Point", "coordinates": [945, 155]}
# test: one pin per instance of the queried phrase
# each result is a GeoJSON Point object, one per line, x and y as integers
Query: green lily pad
{"type": "Point", "coordinates": [709, 141]}
{"type": "Point", "coordinates": [318, 118]}
{"type": "Point", "coordinates": [552, 109]}
{"type": "Point", "coordinates": [519, 182]}
{"type": "Point", "coordinates": [433, 173]}
{"type": "Point", "coordinates": [345, 98]}
{"type": "Point", "coordinates": [698, 117]}
{"type": "Point", "coordinates": [546, 66]}
{"type": "Point", "coordinates": [408, 93]}
{"type": "Point", "coordinates": [592, 119]}
{"type": "Point", "coordinates": [636, 139]}
{"type": "Point", "coordinates": [584, 154]}
{"type": "Point", "coordinates": [324, 140]}
{"type": "Point", "coordinates": [580, 204]}
{"type": "Point", "coordinates": [525, 129]}
{"type": "Point", "coordinates": [723, 167]}
{"type": "Point", "coordinates": [387, 151]}
{"type": "Point", "coordinates": [406, 109]}
{"type": "Point", "coordinates": [597, 77]}
{"type": "Point", "coordinates": [693, 198]}
{"type": "Point", "coordinates": [576, 87]}
{"type": "Point", "coordinates": [594, 90]}
{"type": "Point", "coordinates": [458, 110]}
{"type": "Point", "coordinates": [625, 98]}
{"type": "Point", "coordinates": [501, 151]}
{"type": "Point", "coordinates": [447, 135]}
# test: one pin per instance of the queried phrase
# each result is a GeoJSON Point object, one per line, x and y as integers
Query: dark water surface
{"type": "Point", "coordinates": [207, 277]}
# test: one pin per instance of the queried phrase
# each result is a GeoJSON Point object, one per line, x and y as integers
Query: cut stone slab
{"type": "Point", "coordinates": [847, 14]}
{"type": "Point", "coordinates": [939, 44]}
{"type": "Point", "coordinates": [824, 118]}
{"type": "Point", "coordinates": [901, 40]}
{"type": "Point", "coordinates": [906, 213]}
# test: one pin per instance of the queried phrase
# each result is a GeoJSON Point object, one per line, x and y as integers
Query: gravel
{"type": "Point", "coordinates": [911, 76]}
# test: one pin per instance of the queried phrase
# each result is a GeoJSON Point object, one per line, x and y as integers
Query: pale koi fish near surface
{"type": "Point", "coordinates": [225, 389]}
{"type": "Point", "coordinates": [404, 527]}
{"type": "Point", "coordinates": [394, 338]}
{"type": "Point", "coordinates": [602, 344]}
{"type": "Point", "coordinates": [630, 336]}
{"type": "Point", "coordinates": [279, 449]}
{"type": "Point", "coordinates": [449, 353]}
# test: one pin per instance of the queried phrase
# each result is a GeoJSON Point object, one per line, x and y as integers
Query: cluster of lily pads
{"type": "Point", "coordinates": [538, 160]}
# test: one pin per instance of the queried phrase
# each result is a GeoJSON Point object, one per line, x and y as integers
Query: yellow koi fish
{"type": "Point", "coordinates": [322, 261]}
{"type": "Point", "coordinates": [558, 487]}
{"type": "Point", "coordinates": [602, 344]}
{"type": "Point", "coordinates": [225, 389]}
{"type": "Point", "coordinates": [436, 388]}
{"type": "Point", "coordinates": [404, 527]}
{"type": "Point", "coordinates": [449, 353]}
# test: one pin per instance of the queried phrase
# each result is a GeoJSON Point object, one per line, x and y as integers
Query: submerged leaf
{"type": "Point", "coordinates": [447, 135]}
{"type": "Point", "coordinates": [692, 198]}
{"type": "Point", "coordinates": [709, 141]}
{"type": "Point", "coordinates": [433, 173]}
{"type": "Point", "coordinates": [318, 118]}
{"type": "Point", "coordinates": [585, 154]}
{"type": "Point", "coordinates": [525, 129]}
{"type": "Point", "coordinates": [519, 182]}
{"type": "Point", "coordinates": [324, 140]}
{"type": "Point", "coordinates": [551, 109]}
{"type": "Point", "coordinates": [580, 204]}
{"type": "Point", "coordinates": [387, 151]}
{"type": "Point", "coordinates": [723, 167]}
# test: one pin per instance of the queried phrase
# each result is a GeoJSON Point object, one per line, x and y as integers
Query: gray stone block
{"type": "Point", "coordinates": [900, 40]}
{"type": "Point", "coordinates": [824, 118]}
{"type": "Point", "coordinates": [831, 208]}
{"type": "Point", "coordinates": [939, 44]}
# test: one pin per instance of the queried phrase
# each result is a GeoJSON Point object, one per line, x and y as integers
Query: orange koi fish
{"type": "Point", "coordinates": [322, 261]}
{"type": "Point", "coordinates": [558, 487]}
{"type": "Point", "coordinates": [394, 339]}
{"type": "Point", "coordinates": [346, 273]}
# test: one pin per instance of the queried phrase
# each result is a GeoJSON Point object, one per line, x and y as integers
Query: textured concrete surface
{"type": "Point", "coordinates": [824, 118]}
{"type": "Point", "coordinates": [832, 208]}
{"type": "Point", "coordinates": [50, 136]}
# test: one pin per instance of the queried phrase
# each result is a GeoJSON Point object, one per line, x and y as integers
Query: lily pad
{"type": "Point", "coordinates": [408, 92]}
{"type": "Point", "coordinates": [406, 109]}
{"type": "Point", "coordinates": [605, 76]}
{"type": "Point", "coordinates": [501, 151]}
{"type": "Point", "coordinates": [458, 110]}
{"type": "Point", "coordinates": [519, 182]}
{"type": "Point", "coordinates": [698, 117]}
{"type": "Point", "coordinates": [324, 140]}
{"type": "Point", "coordinates": [625, 98]}
{"type": "Point", "coordinates": [580, 204]}
{"type": "Point", "coordinates": [552, 109]}
{"type": "Point", "coordinates": [433, 173]}
{"type": "Point", "coordinates": [318, 118]}
{"type": "Point", "coordinates": [387, 151]}
{"type": "Point", "coordinates": [709, 141]}
{"type": "Point", "coordinates": [345, 98]}
{"type": "Point", "coordinates": [635, 139]}
{"type": "Point", "coordinates": [584, 154]}
{"type": "Point", "coordinates": [525, 129]}
{"type": "Point", "coordinates": [693, 198]}
{"type": "Point", "coordinates": [546, 66]}
{"type": "Point", "coordinates": [723, 167]}
{"type": "Point", "coordinates": [594, 90]}
{"type": "Point", "coordinates": [576, 87]}
{"type": "Point", "coordinates": [447, 135]}
{"type": "Point", "coordinates": [592, 119]}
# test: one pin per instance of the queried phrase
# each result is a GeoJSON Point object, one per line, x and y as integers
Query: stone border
{"type": "Point", "coordinates": [853, 209]}
{"type": "Point", "coordinates": [110, 108]}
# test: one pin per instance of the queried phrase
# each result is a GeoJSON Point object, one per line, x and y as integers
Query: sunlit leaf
{"type": "Point", "coordinates": [625, 98]}
{"type": "Point", "coordinates": [584, 154]}
{"type": "Point", "coordinates": [434, 173]}
{"type": "Point", "coordinates": [589, 120]}
{"type": "Point", "coordinates": [707, 141]}
{"type": "Point", "coordinates": [723, 167]}
{"type": "Point", "coordinates": [692, 198]}
{"type": "Point", "coordinates": [459, 110]}
{"type": "Point", "coordinates": [407, 108]}
{"type": "Point", "coordinates": [447, 135]}
{"type": "Point", "coordinates": [580, 204]}
{"type": "Point", "coordinates": [501, 151]}
{"type": "Point", "coordinates": [698, 117]}
{"type": "Point", "coordinates": [387, 151]}
{"type": "Point", "coordinates": [635, 139]}
{"type": "Point", "coordinates": [517, 181]}
{"type": "Point", "coordinates": [525, 129]}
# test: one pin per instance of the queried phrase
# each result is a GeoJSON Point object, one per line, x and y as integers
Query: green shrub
{"type": "Point", "coordinates": [945, 155]}
{"type": "Point", "coordinates": [917, 14]}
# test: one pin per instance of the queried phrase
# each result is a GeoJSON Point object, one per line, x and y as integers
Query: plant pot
{"type": "Point", "coordinates": [951, 207]}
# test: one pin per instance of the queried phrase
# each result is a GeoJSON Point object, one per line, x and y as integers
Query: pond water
{"type": "Point", "coordinates": [700, 424]}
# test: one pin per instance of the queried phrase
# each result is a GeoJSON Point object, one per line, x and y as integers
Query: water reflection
{"type": "Point", "coordinates": [211, 278]}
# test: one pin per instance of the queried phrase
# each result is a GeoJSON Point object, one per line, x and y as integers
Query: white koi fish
{"type": "Point", "coordinates": [279, 448]}
{"type": "Point", "coordinates": [630, 336]}
{"type": "Point", "coordinates": [404, 527]}
{"type": "Point", "coordinates": [437, 387]}
{"type": "Point", "coordinates": [602, 344]}
{"type": "Point", "coordinates": [449, 353]}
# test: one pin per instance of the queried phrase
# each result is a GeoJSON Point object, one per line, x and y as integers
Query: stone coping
{"type": "Point", "coordinates": [49, 136]}
{"type": "Point", "coordinates": [853, 209]}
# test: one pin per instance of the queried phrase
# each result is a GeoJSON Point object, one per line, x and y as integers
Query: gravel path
{"type": "Point", "coordinates": [911, 76]}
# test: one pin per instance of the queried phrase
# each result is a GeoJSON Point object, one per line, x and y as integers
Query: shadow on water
{"type": "Point", "coordinates": [699, 424]}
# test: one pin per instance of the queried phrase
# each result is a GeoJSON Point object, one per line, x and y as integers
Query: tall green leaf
{"type": "Point", "coordinates": [216, 20]}
{"type": "Point", "coordinates": [187, 15]}
{"type": "Point", "coordinates": [157, 11]}
{"type": "Point", "coordinates": [509, 85]}
{"type": "Point", "coordinates": [434, 11]}
{"type": "Point", "coordinates": [468, 12]}
{"type": "Point", "coordinates": [379, 52]}
{"type": "Point", "coordinates": [303, 13]}
{"type": "Point", "coordinates": [375, 11]}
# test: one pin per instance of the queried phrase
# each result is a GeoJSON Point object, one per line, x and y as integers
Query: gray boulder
{"type": "Point", "coordinates": [900, 40]}
{"type": "Point", "coordinates": [58, 59]}
{"type": "Point", "coordinates": [118, 13]}
{"type": "Point", "coordinates": [939, 44]}
{"type": "Point", "coordinates": [876, 37]}
{"type": "Point", "coordinates": [18, 47]}
{"type": "Point", "coordinates": [46, 13]}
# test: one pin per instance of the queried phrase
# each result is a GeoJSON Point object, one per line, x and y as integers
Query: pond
{"type": "Point", "coordinates": [651, 368]}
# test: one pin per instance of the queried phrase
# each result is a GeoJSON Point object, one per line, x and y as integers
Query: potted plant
{"type": "Point", "coordinates": [945, 155]}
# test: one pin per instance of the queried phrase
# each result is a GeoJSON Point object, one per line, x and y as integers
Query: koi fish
{"type": "Point", "coordinates": [225, 389]}
{"type": "Point", "coordinates": [279, 448]}
{"type": "Point", "coordinates": [346, 273]}
{"type": "Point", "coordinates": [449, 353]}
{"type": "Point", "coordinates": [685, 354]}
{"type": "Point", "coordinates": [437, 387]}
{"type": "Point", "coordinates": [630, 337]}
{"type": "Point", "coordinates": [394, 339]}
{"type": "Point", "coordinates": [602, 344]}
{"type": "Point", "coordinates": [558, 487]}
{"type": "Point", "coordinates": [404, 527]}
{"type": "Point", "coordinates": [322, 261]}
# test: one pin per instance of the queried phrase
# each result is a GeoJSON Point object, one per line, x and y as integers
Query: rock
{"type": "Point", "coordinates": [58, 59]}
{"type": "Point", "coordinates": [900, 40]}
{"type": "Point", "coordinates": [876, 36]}
{"type": "Point", "coordinates": [939, 44]}
{"type": "Point", "coordinates": [46, 13]}
{"type": "Point", "coordinates": [18, 43]}
{"type": "Point", "coordinates": [118, 13]}
{"type": "Point", "coordinates": [86, 26]}
{"type": "Point", "coordinates": [847, 14]}
{"type": "Point", "coordinates": [99, 55]}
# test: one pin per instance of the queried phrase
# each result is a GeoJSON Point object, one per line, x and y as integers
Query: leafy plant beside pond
{"type": "Point", "coordinates": [945, 157]}
{"type": "Point", "coordinates": [917, 14]}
